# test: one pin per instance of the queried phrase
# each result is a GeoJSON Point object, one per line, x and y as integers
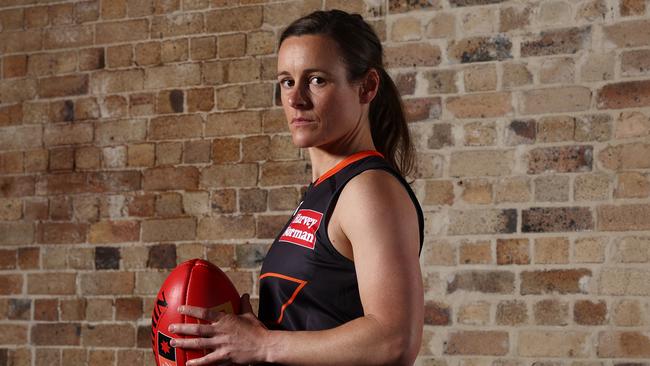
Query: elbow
{"type": "Point", "coordinates": [403, 348]}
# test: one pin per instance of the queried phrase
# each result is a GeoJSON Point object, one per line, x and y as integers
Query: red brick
{"type": "Point", "coordinates": [14, 66]}
{"type": "Point", "coordinates": [513, 251]}
{"type": "Point", "coordinates": [68, 37]}
{"type": "Point", "coordinates": [484, 105]}
{"type": "Point", "coordinates": [114, 232]}
{"type": "Point", "coordinates": [17, 186]}
{"type": "Point", "coordinates": [14, 334]}
{"type": "Point", "coordinates": [68, 134]}
{"type": "Point", "coordinates": [632, 7]}
{"type": "Point", "coordinates": [177, 25]}
{"type": "Point", "coordinates": [60, 86]}
{"type": "Point", "coordinates": [128, 308]}
{"type": "Point", "coordinates": [482, 221]}
{"type": "Point", "coordinates": [626, 156]}
{"type": "Point", "coordinates": [169, 230]}
{"type": "Point", "coordinates": [570, 281]}
{"type": "Point", "coordinates": [119, 81]}
{"type": "Point", "coordinates": [11, 284]}
{"type": "Point", "coordinates": [115, 181]}
{"type": "Point", "coordinates": [617, 344]}
{"type": "Point", "coordinates": [558, 99]}
{"type": "Point", "coordinates": [107, 283]}
{"type": "Point", "coordinates": [436, 313]}
{"type": "Point", "coordinates": [57, 334]}
{"type": "Point", "coordinates": [479, 49]}
{"type": "Point", "coordinates": [421, 54]}
{"type": "Point", "coordinates": [237, 175]}
{"type": "Point", "coordinates": [491, 282]}
{"type": "Point", "coordinates": [553, 343]}
{"type": "Point", "coordinates": [108, 335]}
{"type": "Point", "coordinates": [268, 226]}
{"type": "Point", "coordinates": [468, 342]}
{"type": "Point", "coordinates": [566, 159]}
{"type": "Point", "coordinates": [551, 312]}
{"type": "Point", "coordinates": [61, 233]}
{"type": "Point", "coordinates": [420, 109]}
{"type": "Point", "coordinates": [560, 41]}
{"type": "Point", "coordinates": [586, 312]}
{"type": "Point", "coordinates": [73, 309]}
{"type": "Point", "coordinates": [557, 219]}
{"type": "Point", "coordinates": [171, 178]}
{"type": "Point", "coordinates": [627, 94]}
{"type": "Point", "coordinates": [233, 19]}
{"type": "Point", "coordinates": [51, 283]}
{"type": "Point", "coordinates": [46, 309]}
{"type": "Point", "coordinates": [285, 173]}
{"type": "Point", "coordinates": [122, 31]}
{"type": "Point", "coordinates": [162, 256]}
{"type": "Point", "coordinates": [13, 115]}
{"type": "Point", "coordinates": [624, 217]}
{"type": "Point", "coordinates": [634, 33]}
{"type": "Point", "coordinates": [512, 312]}
{"type": "Point", "coordinates": [175, 127]}
{"type": "Point", "coordinates": [226, 227]}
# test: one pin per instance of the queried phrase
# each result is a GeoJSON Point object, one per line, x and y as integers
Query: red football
{"type": "Point", "coordinates": [196, 282]}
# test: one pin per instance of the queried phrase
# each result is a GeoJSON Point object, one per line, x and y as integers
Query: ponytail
{"type": "Point", "coordinates": [389, 128]}
{"type": "Point", "coordinates": [362, 51]}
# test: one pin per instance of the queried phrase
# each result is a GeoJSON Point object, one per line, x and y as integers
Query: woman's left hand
{"type": "Point", "coordinates": [234, 338]}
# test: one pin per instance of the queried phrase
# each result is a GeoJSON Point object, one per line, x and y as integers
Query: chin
{"type": "Point", "coordinates": [301, 141]}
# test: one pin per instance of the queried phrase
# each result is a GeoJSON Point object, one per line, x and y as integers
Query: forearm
{"type": "Point", "coordinates": [363, 341]}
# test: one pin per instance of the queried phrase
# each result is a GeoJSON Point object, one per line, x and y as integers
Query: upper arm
{"type": "Point", "coordinates": [379, 219]}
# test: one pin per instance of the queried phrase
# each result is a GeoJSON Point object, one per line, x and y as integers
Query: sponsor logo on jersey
{"type": "Point", "coordinates": [302, 229]}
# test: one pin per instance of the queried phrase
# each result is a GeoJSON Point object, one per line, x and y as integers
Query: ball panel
{"type": "Point", "coordinates": [195, 282]}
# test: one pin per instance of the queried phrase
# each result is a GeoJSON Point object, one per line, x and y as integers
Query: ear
{"type": "Point", "coordinates": [369, 87]}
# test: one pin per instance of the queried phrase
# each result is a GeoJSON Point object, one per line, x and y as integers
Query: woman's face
{"type": "Point", "coordinates": [321, 106]}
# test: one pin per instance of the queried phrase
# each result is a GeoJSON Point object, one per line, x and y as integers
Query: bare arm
{"type": "Point", "coordinates": [376, 215]}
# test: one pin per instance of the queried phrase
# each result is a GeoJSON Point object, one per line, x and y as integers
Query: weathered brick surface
{"type": "Point", "coordinates": [550, 281]}
{"type": "Point", "coordinates": [552, 344]}
{"type": "Point", "coordinates": [491, 282]}
{"type": "Point", "coordinates": [624, 344]}
{"type": "Point", "coordinates": [138, 134]}
{"type": "Point", "coordinates": [492, 343]}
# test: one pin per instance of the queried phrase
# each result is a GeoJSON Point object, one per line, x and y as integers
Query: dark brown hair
{"type": "Point", "coordinates": [362, 51]}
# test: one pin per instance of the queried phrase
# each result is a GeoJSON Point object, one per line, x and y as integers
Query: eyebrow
{"type": "Point", "coordinates": [306, 71]}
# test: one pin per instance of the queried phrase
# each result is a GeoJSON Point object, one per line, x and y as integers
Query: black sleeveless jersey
{"type": "Point", "coordinates": [305, 283]}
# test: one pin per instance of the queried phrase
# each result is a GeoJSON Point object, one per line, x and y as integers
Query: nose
{"type": "Point", "coordinates": [297, 98]}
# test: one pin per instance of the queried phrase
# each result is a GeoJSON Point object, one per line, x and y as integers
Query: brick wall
{"type": "Point", "coordinates": [135, 134]}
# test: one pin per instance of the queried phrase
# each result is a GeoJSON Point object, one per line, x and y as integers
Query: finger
{"type": "Point", "coordinates": [209, 359]}
{"type": "Point", "coordinates": [201, 330]}
{"type": "Point", "coordinates": [193, 343]}
{"type": "Point", "coordinates": [200, 313]}
{"type": "Point", "coordinates": [246, 306]}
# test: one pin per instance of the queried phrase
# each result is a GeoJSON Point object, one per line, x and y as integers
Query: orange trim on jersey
{"type": "Point", "coordinates": [301, 284]}
{"type": "Point", "coordinates": [347, 161]}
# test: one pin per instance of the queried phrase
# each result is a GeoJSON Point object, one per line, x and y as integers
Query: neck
{"type": "Point", "coordinates": [323, 159]}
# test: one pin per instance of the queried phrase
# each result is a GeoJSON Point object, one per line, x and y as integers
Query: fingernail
{"type": "Point", "coordinates": [172, 343]}
{"type": "Point", "coordinates": [172, 328]}
{"type": "Point", "coordinates": [181, 309]}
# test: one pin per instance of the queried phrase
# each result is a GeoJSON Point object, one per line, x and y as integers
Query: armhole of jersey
{"type": "Point", "coordinates": [335, 197]}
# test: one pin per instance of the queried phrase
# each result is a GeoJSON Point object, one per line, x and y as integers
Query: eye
{"type": "Point", "coordinates": [286, 83]}
{"type": "Point", "coordinates": [316, 81]}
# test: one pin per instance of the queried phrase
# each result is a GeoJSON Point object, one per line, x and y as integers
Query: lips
{"type": "Point", "coordinates": [301, 121]}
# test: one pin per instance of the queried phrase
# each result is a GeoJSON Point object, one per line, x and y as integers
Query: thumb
{"type": "Point", "coordinates": [246, 306]}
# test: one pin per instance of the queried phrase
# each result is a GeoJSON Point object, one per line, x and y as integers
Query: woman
{"type": "Point", "coordinates": [341, 285]}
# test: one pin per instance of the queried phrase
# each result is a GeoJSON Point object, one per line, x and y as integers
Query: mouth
{"type": "Point", "coordinates": [301, 121]}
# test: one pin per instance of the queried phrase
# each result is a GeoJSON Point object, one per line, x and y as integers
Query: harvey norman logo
{"type": "Point", "coordinates": [302, 229]}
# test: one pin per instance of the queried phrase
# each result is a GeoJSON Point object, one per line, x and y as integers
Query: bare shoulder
{"type": "Point", "coordinates": [376, 197]}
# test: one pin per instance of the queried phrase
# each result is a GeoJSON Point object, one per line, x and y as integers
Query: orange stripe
{"type": "Point", "coordinates": [293, 296]}
{"type": "Point", "coordinates": [347, 161]}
